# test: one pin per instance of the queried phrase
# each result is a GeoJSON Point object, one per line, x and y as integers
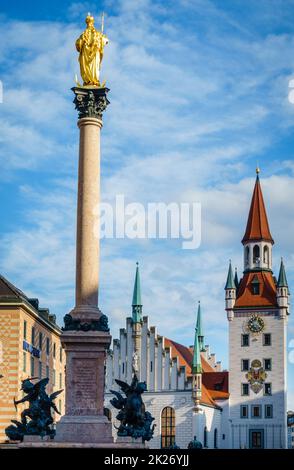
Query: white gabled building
{"type": "Point", "coordinates": [187, 393]}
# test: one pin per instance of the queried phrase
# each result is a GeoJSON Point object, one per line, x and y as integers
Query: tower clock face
{"type": "Point", "coordinates": [255, 324]}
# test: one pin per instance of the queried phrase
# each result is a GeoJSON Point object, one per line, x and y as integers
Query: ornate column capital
{"type": "Point", "coordinates": [90, 102]}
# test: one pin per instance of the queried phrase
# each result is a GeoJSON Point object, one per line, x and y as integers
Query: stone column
{"type": "Point", "coordinates": [86, 335]}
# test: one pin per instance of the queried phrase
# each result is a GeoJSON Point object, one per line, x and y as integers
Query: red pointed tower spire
{"type": "Point", "coordinates": [257, 287]}
{"type": "Point", "coordinates": [257, 228]}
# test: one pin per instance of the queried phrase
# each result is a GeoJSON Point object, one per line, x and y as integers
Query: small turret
{"type": "Point", "coordinates": [230, 289]}
{"type": "Point", "coordinates": [283, 292]}
{"type": "Point", "coordinates": [137, 321]}
{"type": "Point", "coordinates": [200, 329]}
{"type": "Point", "coordinates": [137, 302]}
{"type": "Point", "coordinates": [236, 280]}
{"type": "Point", "coordinates": [196, 371]}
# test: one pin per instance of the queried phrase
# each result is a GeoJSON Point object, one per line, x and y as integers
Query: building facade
{"type": "Point", "coordinates": [257, 311]}
{"type": "Point", "coordinates": [187, 391]}
{"type": "Point", "coordinates": [29, 347]}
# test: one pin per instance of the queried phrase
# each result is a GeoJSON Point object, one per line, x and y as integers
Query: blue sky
{"type": "Point", "coordinates": [199, 95]}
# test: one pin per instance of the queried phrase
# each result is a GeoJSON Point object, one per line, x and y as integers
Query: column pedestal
{"type": "Point", "coordinates": [84, 419]}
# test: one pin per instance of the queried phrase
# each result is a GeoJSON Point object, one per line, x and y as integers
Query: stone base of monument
{"type": "Point", "coordinates": [94, 429]}
{"type": "Point", "coordinates": [82, 432]}
{"type": "Point", "coordinates": [47, 442]}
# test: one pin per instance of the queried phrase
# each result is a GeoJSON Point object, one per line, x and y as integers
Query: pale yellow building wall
{"type": "Point", "coordinates": [12, 356]}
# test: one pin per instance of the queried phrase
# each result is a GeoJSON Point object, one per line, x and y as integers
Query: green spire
{"type": "Point", "coordinates": [196, 364]}
{"type": "Point", "coordinates": [282, 281]}
{"type": "Point", "coordinates": [230, 284]}
{"type": "Point", "coordinates": [200, 328]}
{"type": "Point", "coordinates": [137, 303]}
{"type": "Point", "coordinates": [236, 280]}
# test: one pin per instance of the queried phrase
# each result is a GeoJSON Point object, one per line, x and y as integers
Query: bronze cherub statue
{"type": "Point", "coordinates": [37, 418]}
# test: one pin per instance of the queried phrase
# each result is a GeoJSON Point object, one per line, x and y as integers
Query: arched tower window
{"type": "Point", "coordinates": [247, 252]}
{"type": "Point", "coordinates": [266, 256]}
{"type": "Point", "coordinates": [168, 427]}
{"type": "Point", "coordinates": [215, 439]}
{"type": "Point", "coordinates": [256, 254]}
{"type": "Point", "coordinates": [205, 437]}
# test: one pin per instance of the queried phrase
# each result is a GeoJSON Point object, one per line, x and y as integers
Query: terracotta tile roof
{"type": "Point", "coordinates": [266, 297]}
{"type": "Point", "coordinates": [217, 384]}
{"type": "Point", "coordinates": [210, 378]}
{"type": "Point", "coordinates": [257, 225]}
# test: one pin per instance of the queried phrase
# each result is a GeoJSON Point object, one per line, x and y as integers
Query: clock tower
{"type": "Point", "coordinates": [257, 309]}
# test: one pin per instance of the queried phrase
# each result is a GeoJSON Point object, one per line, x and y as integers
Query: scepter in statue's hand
{"type": "Point", "coordinates": [102, 23]}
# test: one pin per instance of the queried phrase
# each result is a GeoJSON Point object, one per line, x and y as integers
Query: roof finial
{"type": "Point", "coordinates": [257, 170]}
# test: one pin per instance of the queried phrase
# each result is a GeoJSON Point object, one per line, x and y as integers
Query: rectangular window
{"type": "Point", "coordinates": [25, 329]}
{"type": "Point", "coordinates": [245, 389]}
{"type": "Point", "coordinates": [59, 406]}
{"type": "Point", "coordinates": [267, 364]}
{"type": "Point", "coordinates": [24, 368]}
{"type": "Point", "coordinates": [32, 366]}
{"type": "Point", "coordinates": [47, 372]}
{"type": "Point", "coordinates": [33, 336]}
{"type": "Point", "coordinates": [60, 353]}
{"type": "Point", "coordinates": [244, 411]}
{"type": "Point", "coordinates": [54, 350]}
{"type": "Point", "coordinates": [40, 341]}
{"type": "Point", "coordinates": [256, 411]}
{"type": "Point", "coordinates": [267, 339]}
{"type": "Point", "coordinates": [53, 377]}
{"type": "Point", "coordinates": [47, 346]}
{"type": "Point", "coordinates": [151, 366]}
{"type": "Point", "coordinates": [245, 364]}
{"type": "Point", "coordinates": [40, 370]}
{"type": "Point", "coordinates": [244, 340]}
{"type": "Point", "coordinates": [123, 367]}
{"type": "Point", "coordinates": [267, 389]}
{"type": "Point", "coordinates": [60, 380]}
{"type": "Point", "coordinates": [268, 411]}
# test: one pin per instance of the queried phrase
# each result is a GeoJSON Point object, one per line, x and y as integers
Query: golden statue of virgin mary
{"type": "Point", "coordinates": [90, 45]}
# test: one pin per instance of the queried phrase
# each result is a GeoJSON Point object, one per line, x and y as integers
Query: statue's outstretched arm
{"type": "Point", "coordinates": [23, 400]}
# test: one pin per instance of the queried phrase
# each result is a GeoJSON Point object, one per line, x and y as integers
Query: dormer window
{"type": "Point", "coordinates": [255, 286]}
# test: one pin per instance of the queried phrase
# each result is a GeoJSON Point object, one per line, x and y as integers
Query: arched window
{"type": "Point", "coordinates": [107, 413]}
{"type": "Point", "coordinates": [256, 254]}
{"type": "Point", "coordinates": [215, 439]}
{"type": "Point", "coordinates": [168, 427]}
{"type": "Point", "coordinates": [266, 256]}
{"type": "Point", "coordinates": [247, 256]}
{"type": "Point", "coordinates": [205, 437]}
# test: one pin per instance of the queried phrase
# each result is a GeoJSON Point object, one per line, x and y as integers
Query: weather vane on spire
{"type": "Point", "coordinates": [90, 45]}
